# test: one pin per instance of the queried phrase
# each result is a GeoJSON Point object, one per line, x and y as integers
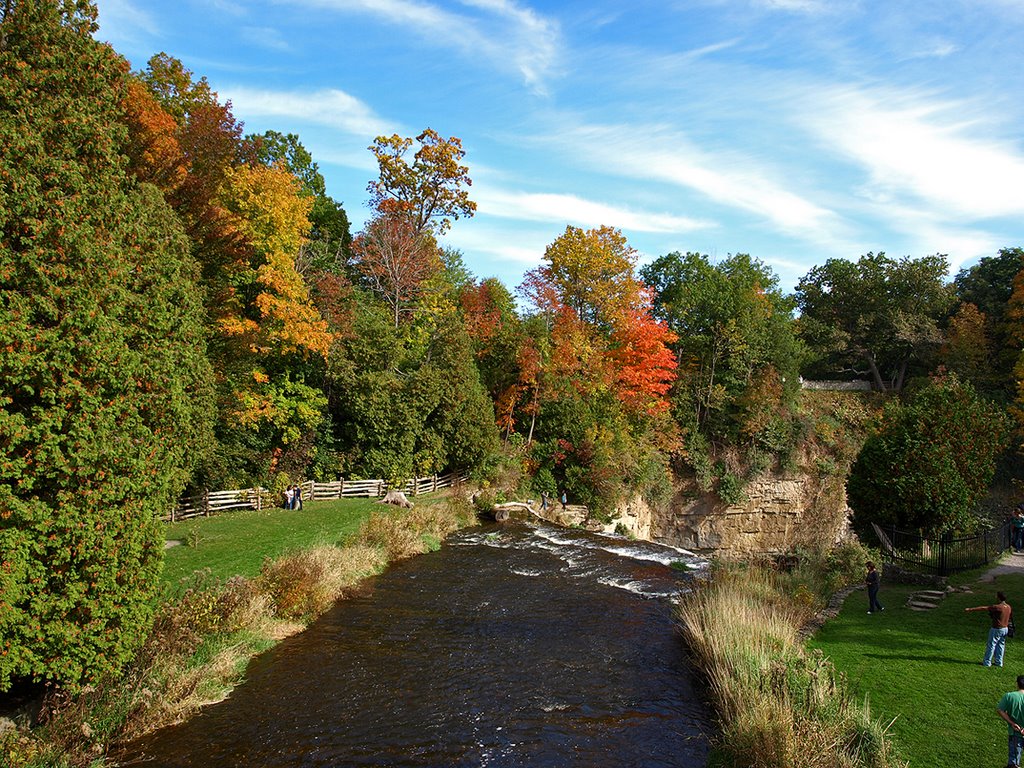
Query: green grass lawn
{"type": "Point", "coordinates": [236, 543]}
{"type": "Point", "coordinates": [923, 671]}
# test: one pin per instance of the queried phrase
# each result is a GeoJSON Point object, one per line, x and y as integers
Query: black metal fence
{"type": "Point", "coordinates": [944, 555]}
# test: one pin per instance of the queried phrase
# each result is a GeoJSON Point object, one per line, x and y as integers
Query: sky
{"type": "Point", "coordinates": [792, 130]}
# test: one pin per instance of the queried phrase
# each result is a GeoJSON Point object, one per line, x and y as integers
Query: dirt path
{"type": "Point", "coordinates": [1008, 563]}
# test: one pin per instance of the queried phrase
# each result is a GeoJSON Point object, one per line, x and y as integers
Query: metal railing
{"type": "Point", "coordinates": [943, 555]}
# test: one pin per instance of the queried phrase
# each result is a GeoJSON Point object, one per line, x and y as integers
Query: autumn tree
{"type": "Point", "coordinates": [248, 216]}
{"type": "Point", "coordinates": [431, 189]}
{"type": "Point", "coordinates": [329, 240]}
{"type": "Point", "coordinates": [592, 272]}
{"type": "Point", "coordinates": [395, 258]}
{"type": "Point", "coordinates": [967, 350]}
{"type": "Point", "coordinates": [497, 334]}
{"type": "Point", "coordinates": [268, 327]}
{"type": "Point", "coordinates": [103, 403]}
{"type": "Point", "coordinates": [875, 316]}
{"type": "Point", "coordinates": [210, 140]}
{"type": "Point", "coordinates": [606, 373]}
{"type": "Point", "coordinates": [983, 334]}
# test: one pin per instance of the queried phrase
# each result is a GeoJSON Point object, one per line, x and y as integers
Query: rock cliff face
{"type": "Point", "coordinates": [635, 518]}
{"type": "Point", "coordinates": [778, 513]}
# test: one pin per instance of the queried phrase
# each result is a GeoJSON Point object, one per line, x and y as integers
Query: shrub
{"type": "Point", "coordinates": [730, 489]}
{"type": "Point", "coordinates": [304, 584]}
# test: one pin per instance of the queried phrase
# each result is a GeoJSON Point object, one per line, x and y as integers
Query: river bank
{"type": "Point", "coordinates": [207, 630]}
{"type": "Point", "coordinates": [520, 644]}
{"type": "Point", "coordinates": [778, 703]}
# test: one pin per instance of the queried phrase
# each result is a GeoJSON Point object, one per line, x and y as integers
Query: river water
{"type": "Point", "coordinates": [515, 645]}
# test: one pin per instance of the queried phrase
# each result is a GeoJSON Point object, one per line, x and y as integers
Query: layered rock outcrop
{"type": "Point", "coordinates": [779, 511]}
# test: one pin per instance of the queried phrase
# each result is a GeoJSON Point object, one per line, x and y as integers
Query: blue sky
{"type": "Point", "coordinates": [792, 130]}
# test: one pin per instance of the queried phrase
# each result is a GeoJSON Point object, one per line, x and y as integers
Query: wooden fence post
{"type": "Point", "coordinates": [435, 484]}
{"type": "Point", "coordinates": [259, 499]}
{"type": "Point", "coordinates": [341, 487]}
{"type": "Point", "coordinates": [206, 502]}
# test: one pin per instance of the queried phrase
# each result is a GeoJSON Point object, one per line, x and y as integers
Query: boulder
{"type": "Point", "coordinates": [397, 498]}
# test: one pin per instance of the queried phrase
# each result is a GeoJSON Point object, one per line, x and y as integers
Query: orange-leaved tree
{"type": "Point", "coordinates": [602, 329]}
{"type": "Point", "coordinates": [599, 397]}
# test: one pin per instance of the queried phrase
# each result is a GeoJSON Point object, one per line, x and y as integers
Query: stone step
{"type": "Point", "coordinates": [931, 593]}
{"type": "Point", "coordinates": [918, 608]}
{"type": "Point", "coordinates": [917, 605]}
{"type": "Point", "coordinates": [925, 598]}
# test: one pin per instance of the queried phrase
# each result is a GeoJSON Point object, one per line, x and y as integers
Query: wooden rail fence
{"type": "Point", "coordinates": [214, 502]}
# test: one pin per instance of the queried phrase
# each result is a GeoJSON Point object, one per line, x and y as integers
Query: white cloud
{"type": "Point", "coordinates": [265, 37]}
{"type": "Point", "coordinates": [229, 7]}
{"type": "Point", "coordinates": [926, 232]}
{"type": "Point", "coordinates": [803, 6]}
{"type": "Point", "coordinates": [505, 34]}
{"type": "Point", "coordinates": [570, 209]}
{"type": "Point", "coordinates": [727, 179]}
{"type": "Point", "coordinates": [935, 49]}
{"type": "Point", "coordinates": [932, 153]}
{"type": "Point", "coordinates": [501, 251]}
{"type": "Point", "coordinates": [123, 20]}
{"type": "Point", "coordinates": [330, 107]}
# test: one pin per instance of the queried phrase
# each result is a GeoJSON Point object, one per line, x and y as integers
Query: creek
{"type": "Point", "coordinates": [515, 645]}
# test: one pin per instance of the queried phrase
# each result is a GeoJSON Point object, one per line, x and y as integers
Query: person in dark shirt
{"type": "Point", "coordinates": [1000, 614]}
{"type": "Point", "coordinates": [873, 580]}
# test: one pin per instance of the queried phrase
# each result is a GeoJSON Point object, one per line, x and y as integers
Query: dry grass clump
{"type": "Point", "coordinates": [304, 584]}
{"type": "Point", "coordinates": [391, 533]}
{"type": "Point", "coordinates": [779, 706]}
{"type": "Point", "coordinates": [402, 534]}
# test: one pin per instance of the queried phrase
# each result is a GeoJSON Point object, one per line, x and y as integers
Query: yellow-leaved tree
{"type": "Point", "coordinates": [275, 333]}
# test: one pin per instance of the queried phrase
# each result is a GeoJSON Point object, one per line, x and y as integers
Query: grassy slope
{"type": "Point", "coordinates": [236, 543]}
{"type": "Point", "coordinates": [923, 669]}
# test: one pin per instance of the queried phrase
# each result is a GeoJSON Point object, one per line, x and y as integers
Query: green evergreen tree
{"type": "Point", "coordinates": [102, 356]}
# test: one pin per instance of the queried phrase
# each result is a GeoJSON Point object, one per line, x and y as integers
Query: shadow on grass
{"type": "Point", "coordinates": [921, 657]}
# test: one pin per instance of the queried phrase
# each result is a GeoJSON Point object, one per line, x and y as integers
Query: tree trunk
{"type": "Point", "coordinates": [901, 376]}
{"type": "Point", "coordinates": [876, 376]}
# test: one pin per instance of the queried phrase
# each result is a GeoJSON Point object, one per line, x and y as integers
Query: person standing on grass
{"type": "Point", "coordinates": [1018, 530]}
{"type": "Point", "coordinates": [1001, 614]}
{"type": "Point", "coordinates": [1011, 709]}
{"type": "Point", "coordinates": [297, 498]}
{"type": "Point", "coordinates": [873, 579]}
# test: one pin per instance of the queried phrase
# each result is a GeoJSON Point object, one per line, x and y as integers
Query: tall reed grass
{"type": "Point", "coordinates": [207, 630]}
{"type": "Point", "coordinates": [779, 706]}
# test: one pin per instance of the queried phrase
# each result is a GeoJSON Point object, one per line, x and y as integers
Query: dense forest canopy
{"type": "Point", "coordinates": [184, 305]}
